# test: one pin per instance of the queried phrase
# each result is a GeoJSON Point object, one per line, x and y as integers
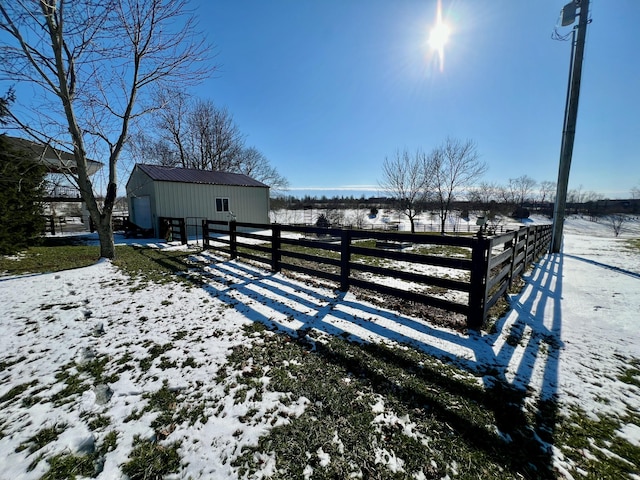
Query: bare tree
{"type": "Point", "coordinates": [254, 164]}
{"type": "Point", "coordinates": [171, 120]}
{"type": "Point", "coordinates": [521, 189]}
{"type": "Point", "coordinates": [145, 149]}
{"type": "Point", "coordinates": [546, 192]}
{"type": "Point", "coordinates": [591, 196]}
{"type": "Point", "coordinates": [635, 193]}
{"type": "Point", "coordinates": [577, 195]}
{"type": "Point", "coordinates": [454, 165]}
{"type": "Point", "coordinates": [92, 64]}
{"type": "Point", "coordinates": [215, 140]}
{"type": "Point", "coordinates": [615, 222]}
{"type": "Point", "coordinates": [483, 194]}
{"type": "Point", "coordinates": [405, 178]}
{"type": "Point", "coordinates": [198, 134]}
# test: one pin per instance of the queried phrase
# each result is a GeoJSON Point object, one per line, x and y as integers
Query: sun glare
{"type": "Point", "coordinates": [439, 35]}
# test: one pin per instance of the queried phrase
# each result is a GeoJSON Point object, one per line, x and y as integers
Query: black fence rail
{"type": "Point", "coordinates": [461, 274]}
{"type": "Point", "coordinates": [173, 229]}
{"type": "Point", "coordinates": [508, 256]}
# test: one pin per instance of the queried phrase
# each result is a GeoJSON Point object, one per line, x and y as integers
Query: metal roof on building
{"type": "Point", "coordinates": [192, 175]}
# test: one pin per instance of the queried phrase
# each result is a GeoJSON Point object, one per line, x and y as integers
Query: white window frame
{"type": "Point", "coordinates": [223, 201]}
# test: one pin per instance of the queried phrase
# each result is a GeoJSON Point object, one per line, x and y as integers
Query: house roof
{"type": "Point", "coordinates": [56, 161]}
{"type": "Point", "coordinates": [192, 175]}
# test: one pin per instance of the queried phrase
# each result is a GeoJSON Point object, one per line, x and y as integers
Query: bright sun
{"type": "Point", "coordinates": [439, 35]}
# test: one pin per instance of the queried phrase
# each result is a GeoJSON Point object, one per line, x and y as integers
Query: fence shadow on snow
{"type": "Point", "coordinates": [519, 357]}
{"type": "Point", "coordinates": [473, 278]}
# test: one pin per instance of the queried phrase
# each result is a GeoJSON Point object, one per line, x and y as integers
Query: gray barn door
{"type": "Point", "coordinates": [142, 211]}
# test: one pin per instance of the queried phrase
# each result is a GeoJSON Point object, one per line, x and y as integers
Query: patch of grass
{"type": "Point", "coordinates": [631, 374]}
{"type": "Point", "coordinates": [17, 390]}
{"type": "Point", "coordinates": [96, 369]}
{"type": "Point", "coordinates": [153, 265]}
{"type": "Point", "coordinates": [634, 244]}
{"type": "Point", "coordinates": [109, 443]}
{"type": "Point", "coordinates": [435, 416]}
{"type": "Point", "coordinates": [56, 254]}
{"type": "Point", "coordinates": [42, 438]}
{"type": "Point", "coordinates": [166, 363]}
{"type": "Point", "coordinates": [69, 466]}
{"type": "Point", "coordinates": [86, 374]}
{"type": "Point", "coordinates": [29, 400]}
{"type": "Point", "coordinates": [154, 351]}
{"type": "Point", "coordinates": [190, 362]}
{"type": "Point", "coordinates": [151, 461]}
{"type": "Point", "coordinates": [443, 251]}
{"type": "Point", "coordinates": [192, 414]}
{"type": "Point", "coordinates": [53, 256]}
{"type": "Point", "coordinates": [164, 401]}
{"type": "Point", "coordinates": [74, 385]}
{"type": "Point", "coordinates": [99, 422]}
{"type": "Point", "coordinates": [180, 334]}
{"type": "Point", "coordinates": [10, 363]}
{"type": "Point", "coordinates": [609, 455]}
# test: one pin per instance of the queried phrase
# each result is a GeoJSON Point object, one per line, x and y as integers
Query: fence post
{"type": "Point", "coordinates": [512, 262]}
{"type": "Point", "coordinates": [205, 234]}
{"type": "Point", "coordinates": [345, 259]}
{"type": "Point", "coordinates": [164, 228]}
{"type": "Point", "coordinates": [183, 232]}
{"type": "Point", "coordinates": [478, 280]}
{"type": "Point", "coordinates": [536, 242]}
{"type": "Point", "coordinates": [233, 239]}
{"type": "Point", "coordinates": [276, 231]}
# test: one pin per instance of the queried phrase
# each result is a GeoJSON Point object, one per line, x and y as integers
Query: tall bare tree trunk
{"type": "Point", "coordinates": [90, 61]}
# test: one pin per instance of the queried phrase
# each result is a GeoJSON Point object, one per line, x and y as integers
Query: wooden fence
{"type": "Point", "coordinates": [462, 274]}
{"type": "Point", "coordinates": [173, 229]}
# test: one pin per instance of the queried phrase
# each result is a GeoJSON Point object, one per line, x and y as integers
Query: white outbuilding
{"type": "Point", "coordinates": [155, 191]}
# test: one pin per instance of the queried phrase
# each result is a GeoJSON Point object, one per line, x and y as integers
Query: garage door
{"type": "Point", "coordinates": [142, 211]}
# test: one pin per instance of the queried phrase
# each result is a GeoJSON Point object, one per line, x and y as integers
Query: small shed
{"type": "Point", "coordinates": [155, 191]}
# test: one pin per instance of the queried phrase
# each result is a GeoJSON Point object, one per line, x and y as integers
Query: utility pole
{"type": "Point", "coordinates": [569, 130]}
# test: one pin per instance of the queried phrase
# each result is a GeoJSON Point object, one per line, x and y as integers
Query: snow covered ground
{"type": "Point", "coordinates": [570, 335]}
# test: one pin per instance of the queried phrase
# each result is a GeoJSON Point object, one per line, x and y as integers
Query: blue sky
{"type": "Point", "coordinates": [327, 89]}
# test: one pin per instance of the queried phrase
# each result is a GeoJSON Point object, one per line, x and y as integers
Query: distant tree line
{"type": "Point", "coordinates": [518, 198]}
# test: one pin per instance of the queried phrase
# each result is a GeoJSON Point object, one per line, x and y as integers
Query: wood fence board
{"type": "Point", "coordinates": [494, 280]}
{"type": "Point", "coordinates": [499, 259]}
{"type": "Point", "coordinates": [320, 245]}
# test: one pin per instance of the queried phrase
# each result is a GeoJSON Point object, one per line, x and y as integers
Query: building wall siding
{"type": "Point", "coordinates": [248, 204]}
